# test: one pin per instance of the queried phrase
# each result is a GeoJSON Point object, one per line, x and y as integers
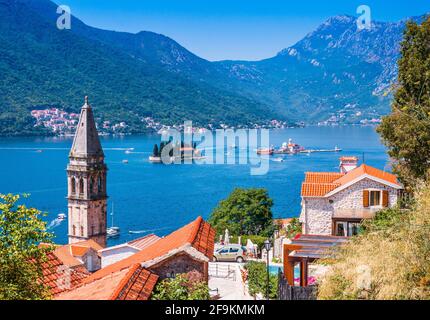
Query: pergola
{"type": "Point", "coordinates": [305, 249]}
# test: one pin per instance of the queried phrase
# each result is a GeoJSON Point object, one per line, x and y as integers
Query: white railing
{"type": "Point", "coordinates": [223, 270]}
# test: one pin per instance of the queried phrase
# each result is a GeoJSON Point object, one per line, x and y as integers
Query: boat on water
{"type": "Point", "coordinates": [61, 216]}
{"type": "Point", "coordinates": [154, 159]}
{"type": "Point", "coordinates": [112, 231]}
{"type": "Point", "coordinates": [265, 151]}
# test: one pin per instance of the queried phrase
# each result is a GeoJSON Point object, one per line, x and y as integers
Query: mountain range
{"type": "Point", "coordinates": [335, 72]}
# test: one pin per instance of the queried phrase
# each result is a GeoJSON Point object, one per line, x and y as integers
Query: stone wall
{"type": "Point", "coordinates": [317, 213]}
{"type": "Point", "coordinates": [180, 263]}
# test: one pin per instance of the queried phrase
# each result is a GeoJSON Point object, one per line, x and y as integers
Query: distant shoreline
{"type": "Point", "coordinates": [154, 132]}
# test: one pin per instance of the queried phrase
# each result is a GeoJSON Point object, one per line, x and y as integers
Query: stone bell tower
{"type": "Point", "coordinates": [86, 177]}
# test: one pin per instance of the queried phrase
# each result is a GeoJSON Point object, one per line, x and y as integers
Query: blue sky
{"type": "Point", "coordinates": [232, 29]}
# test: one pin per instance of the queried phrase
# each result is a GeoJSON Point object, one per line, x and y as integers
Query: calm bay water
{"type": "Point", "coordinates": [158, 198]}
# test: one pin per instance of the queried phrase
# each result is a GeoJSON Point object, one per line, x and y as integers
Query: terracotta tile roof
{"type": "Point", "coordinates": [68, 253]}
{"type": "Point", "coordinates": [199, 234]}
{"type": "Point", "coordinates": [137, 285]}
{"type": "Point", "coordinates": [59, 277]}
{"type": "Point", "coordinates": [318, 184]}
{"type": "Point", "coordinates": [322, 177]}
{"type": "Point", "coordinates": [133, 283]}
{"type": "Point", "coordinates": [146, 241]}
{"type": "Point", "coordinates": [371, 171]}
{"type": "Point", "coordinates": [317, 189]}
{"type": "Point", "coordinates": [78, 251]}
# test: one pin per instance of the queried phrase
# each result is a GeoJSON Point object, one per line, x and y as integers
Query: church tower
{"type": "Point", "coordinates": [86, 177]}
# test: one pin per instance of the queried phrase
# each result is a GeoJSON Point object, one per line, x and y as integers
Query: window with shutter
{"type": "Point", "coordinates": [366, 198]}
{"type": "Point", "coordinates": [385, 198]}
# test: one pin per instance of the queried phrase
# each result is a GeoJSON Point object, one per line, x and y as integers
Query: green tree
{"type": "Point", "coordinates": [181, 288]}
{"type": "Point", "coordinates": [406, 131]}
{"type": "Point", "coordinates": [21, 231]}
{"type": "Point", "coordinates": [244, 212]}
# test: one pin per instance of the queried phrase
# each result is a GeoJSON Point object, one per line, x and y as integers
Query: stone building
{"type": "Point", "coordinates": [86, 177]}
{"type": "Point", "coordinates": [187, 250]}
{"type": "Point", "coordinates": [335, 203]}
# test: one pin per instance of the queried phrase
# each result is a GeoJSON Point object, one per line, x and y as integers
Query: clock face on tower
{"type": "Point", "coordinates": [86, 177]}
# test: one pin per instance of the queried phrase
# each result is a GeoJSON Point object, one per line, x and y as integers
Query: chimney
{"type": "Point", "coordinates": [347, 164]}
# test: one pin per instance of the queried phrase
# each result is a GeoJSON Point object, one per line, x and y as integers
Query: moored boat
{"type": "Point", "coordinates": [265, 151]}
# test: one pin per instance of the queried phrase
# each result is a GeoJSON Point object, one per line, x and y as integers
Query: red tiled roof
{"type": "Point", "coordinates": [371, 171]}
{"type": "Point", "coordinates": [137, 285]}
{"type": "Point", "coordinates": [317, 189]}
{"type": "Point", "coordinates": [68, 253]}
{"type": "Point", "coordinates": [199, 234]}
{"type": "Point", "coordinates": [146, 241]}
{"type": "Point", "coordinates": [133, 283]}
{"type": "Point", "coordinates": [59, 277]}
{"type": "Point", "coordinates": [318, 184]}
{"type": "Point", "coordinates": [322, 177]}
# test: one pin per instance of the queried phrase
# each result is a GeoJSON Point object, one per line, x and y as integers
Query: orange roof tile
{"type": "Point", "coordinates": [371, 171]}
{"type": "Point", "coordinates": [143, 242]}
{"type": "Point", "coordinates": [198, 233]}
{"type": "Point", "coordinates": [318, 184]}
{"type": "Point", "coordinates": [68, 253]}
{"type": "Point", "coordinates": [60, 278]}
{"type": "Point", "coordinates": [317, 189]}
{"type": "Point", "coordinates": [137, 285]}
{"type": "Point", "coordinates": [78, 251]}
{"type": "Point", "coordinates": [322, 177]}
{"type": "Point", "coordinates": [133, 283]}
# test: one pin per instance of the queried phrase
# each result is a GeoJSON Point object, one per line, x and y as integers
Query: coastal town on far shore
{"type": "Point", "coordinates": [63, 123]}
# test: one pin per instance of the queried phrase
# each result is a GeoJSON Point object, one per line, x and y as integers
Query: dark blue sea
{"type": "Point", "coordinates": [154, 198]}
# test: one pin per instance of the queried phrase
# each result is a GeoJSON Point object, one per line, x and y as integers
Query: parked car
{"type": "Point", "coordinates": [231, 252]}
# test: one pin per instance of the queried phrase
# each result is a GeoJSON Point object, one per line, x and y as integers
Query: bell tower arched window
{"type": "Point", "coordinates": [73, 185]}
{"type": "Point", "coordinates": [81, 186]}
{"type": "Point", "coordinates": [99, 184]}
{"type": "Point", "coordinates": [92, 185]}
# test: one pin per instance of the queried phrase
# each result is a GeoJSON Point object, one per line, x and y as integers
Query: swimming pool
{"type": "Point", "coordinates": [274, 269]}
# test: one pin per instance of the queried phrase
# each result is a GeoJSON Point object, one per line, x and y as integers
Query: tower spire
{"type": "Point", "coordinates": [86, 142]}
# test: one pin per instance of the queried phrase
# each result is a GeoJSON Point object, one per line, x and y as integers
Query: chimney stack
{"type": "Point", "coordinates": [347, 164]}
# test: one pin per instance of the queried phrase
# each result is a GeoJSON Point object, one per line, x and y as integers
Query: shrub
{"type": "Point", "coordinates": [257, 280]}
{"type": "Point", "coordinates": [182, 287]}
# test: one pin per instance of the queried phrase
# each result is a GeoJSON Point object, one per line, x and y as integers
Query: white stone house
{"type": "Point", "coordinates": [335, 203]}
